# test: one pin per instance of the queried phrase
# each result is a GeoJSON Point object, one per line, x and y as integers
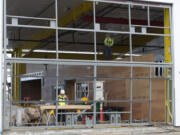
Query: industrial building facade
{"type": "Point", "coordinates": [50, 45]}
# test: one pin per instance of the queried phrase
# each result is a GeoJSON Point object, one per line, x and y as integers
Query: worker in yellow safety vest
{"type": "Point", "coordinates": [62, 98]}
{"type": "Point", "coordinates": [108, 43]}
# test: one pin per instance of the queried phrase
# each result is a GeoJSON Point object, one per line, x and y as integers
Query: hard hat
{"type": "Point", "coordinates": [62, 91]}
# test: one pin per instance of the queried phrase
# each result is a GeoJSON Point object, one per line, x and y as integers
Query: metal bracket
{"type": "Point", "coordinates": [14, 21]}
{"type": "Point", "coordinates": [143, 30]}
{"type": "Point", "coordinates": [53, 24]}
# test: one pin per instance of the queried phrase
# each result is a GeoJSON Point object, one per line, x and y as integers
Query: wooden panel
{"type": "Point", "coordinates": [66, 107]}
{"type": "Point", "coordinates": [70, 89]}
{"type": "Point", "coordinates": [118, 89]}
{"type": "Point", "coordinates": [158, 100]}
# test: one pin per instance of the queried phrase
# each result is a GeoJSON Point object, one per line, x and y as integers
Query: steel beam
{"type": "Point", "coordinates": [136, 3]}
{"type": "Point", "coordinates": [100, 19]}
{"type": "Point", "coordinates": [86, 30]}
{"type": "Point", "coordinates": [87, 62]}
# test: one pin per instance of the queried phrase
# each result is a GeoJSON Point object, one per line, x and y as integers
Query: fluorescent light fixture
{"type": "Point", "coordinates": [23, 55]}
{"type": "Point", "coordinates": [116, 54]}
{"type": "Point", "coordinates": [77, 52]}
{"type": "Point", "coordinates": [10, 50]}
{"type": "Point", "coordinates": [118, 58]}
{"type": "Point", "coordinates": [30, 78]}
{"type": "Point", "coordinates": [26, 50]}
{"type": "Point", "coordinates": [9, 55]}
{"type": "Point", "coordinates": [66, 52]}
{"type": "Point", "coordinates": [135, 55]}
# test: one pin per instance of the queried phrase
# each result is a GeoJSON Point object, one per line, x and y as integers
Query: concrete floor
{"type": "Point", "coordinates": [163, 130]}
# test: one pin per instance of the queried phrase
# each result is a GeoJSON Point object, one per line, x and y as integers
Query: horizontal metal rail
{"type": "Point", "coordinates": [149, 4]}
{"type": "Point", "coordinates": [87, 30]}
{"type": "Point", "coordinates": [76, 101]}
{"type": "Point", "coordinates": [150, 26]}
{"type": "Point", "coordinates": [29, 17]}
{"type": "Point", "coordinates": [91, 78]}
{"type": "Point", "coordinates": [30, 26]}
{"type": "Point", "coordinates": [87, 62]}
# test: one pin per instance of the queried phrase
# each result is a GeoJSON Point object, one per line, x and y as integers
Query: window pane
{"type": "Point", "coordinates": [31, 43]}
{"type": "Point", "coordinates": [118, 51]}
{"type": "Point", "coordinates": [113, 17]}
{"type": "Point", "coordinates": [76, 45]}
{"type": "Point", "coordinates": [73, 14]}
{"type": "Point", "coordinates": [148, 48]}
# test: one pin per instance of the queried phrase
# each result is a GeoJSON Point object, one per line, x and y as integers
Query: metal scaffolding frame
{"type": "Point", "coordinates": [57, 61]}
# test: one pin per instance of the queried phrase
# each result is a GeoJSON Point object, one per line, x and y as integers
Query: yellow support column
{"type": "Point", "coordinates": [167, 40]}
{"type": "Point", "coordinates": [14, 82]}
{"type": "Point", "coordinates": [18, 69]}
{"type": "Point", "coordinates": [167, 58]}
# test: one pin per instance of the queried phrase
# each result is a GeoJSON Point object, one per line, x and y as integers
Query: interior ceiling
{"type": "Point", "coordinates": [26, 7]}
{"type": "Point", "coordinates": [45, 8]}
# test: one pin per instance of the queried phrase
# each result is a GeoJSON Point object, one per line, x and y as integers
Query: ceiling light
{"type": "Point", "coordinates": [65, 52]}
{"type": "Point", "coordinates": [135, 55]}
{"type": "Point", "coordinates": [118, 58]}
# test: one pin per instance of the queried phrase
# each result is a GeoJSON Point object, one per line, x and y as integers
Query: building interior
{"type": "Point", "coordinates": [58, 44]}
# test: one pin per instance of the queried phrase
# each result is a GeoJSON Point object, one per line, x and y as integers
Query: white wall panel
{"type": "Point", "coordinates": [176, 25]}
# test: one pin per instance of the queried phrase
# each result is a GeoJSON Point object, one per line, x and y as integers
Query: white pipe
{"type": "Point", "coordinates": [1, 63]}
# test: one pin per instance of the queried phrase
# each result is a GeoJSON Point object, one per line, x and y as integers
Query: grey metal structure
{"type": "Point", "coordinates": [95, 63]}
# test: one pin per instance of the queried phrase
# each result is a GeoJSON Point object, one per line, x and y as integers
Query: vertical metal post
{"type": "Point", "coordinates": [172, 61]}
{"type": "Point", "coordinates": [131, 68]}
{"type": "Point", "coordinates": [131, 94]}
{"type": "Point", "coordinates": [15, 80]}
{"type": "Point", "coordinates": [95, 67]}
{"type": "Point", "coordinates": [1, 88]}
{"type": "Point", "coordinates": [10, 101]}
{"type": "Point", "coordinates": [1, 62]}
{"type": "Point", "coordinates": [57, 33]}
{"type": "Point", "coordinates": [168, 58]}
{"type": "Point", "coordinates": [130, 35]}
{"type": "Point", "coordinates": [94, 17]}
{"type": "Point", "coordinates": [94, 106]}
{"type": "Point", "coordinates": [5, 30]}
{"type": "Point", "coordinates": [168, 105]}
{"type": "Point", "coordinates": [150, 79]}
{"type": "Point", "coordinates": [57, 57]}
{"type": "Point", "coordinates": [4, 90]}
{"type": "Point", "coordinates": [148, 16]}
{"type": "Point", "coordinates": [57, 68]}
{"type": "Point", "coordinates": [19, 89]}
{"type": "Point", "coordinates": [3, 38]}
